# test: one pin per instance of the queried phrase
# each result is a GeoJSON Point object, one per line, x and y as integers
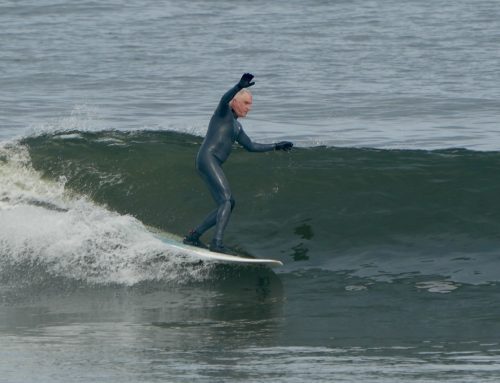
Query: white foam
{"type": "Point", "coordinates": [43, 224]}
{"type": "Point", "coordinates": [442, 287]}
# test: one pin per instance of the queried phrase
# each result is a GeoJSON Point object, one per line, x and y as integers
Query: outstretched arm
{"type": "Point", "coordinates": [251, 146]}
{"type": "Point", "coordinates": [245, 82]}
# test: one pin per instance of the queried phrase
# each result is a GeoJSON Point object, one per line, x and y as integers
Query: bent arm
{"type": "Point", "coordinates": [227, 97]}
{"type": "Point", "coordinates": [245, 82]}
{"type": "Point", "coordinates": [247, 143]}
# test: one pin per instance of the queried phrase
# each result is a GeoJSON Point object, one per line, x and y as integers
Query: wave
{"type": "Point", "coordinates": [49, 232]}
{"type": "Point", "coordinates": [374, 212]}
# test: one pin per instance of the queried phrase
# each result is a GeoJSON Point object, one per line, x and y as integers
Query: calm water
{"type": "Point", "coordinates": [354, 73]}
{"type": "Point", "coordinates": [391, 256]}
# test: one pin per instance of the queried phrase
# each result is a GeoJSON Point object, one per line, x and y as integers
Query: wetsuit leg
{"type": "Point", "coordinates": [211, 171]}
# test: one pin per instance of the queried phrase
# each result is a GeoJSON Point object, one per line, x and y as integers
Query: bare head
{"type": "Point", "coordinates": [242, 102]}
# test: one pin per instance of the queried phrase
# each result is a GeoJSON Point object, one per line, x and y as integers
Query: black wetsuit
{"type": "Point", "coordinates": [223, 130]}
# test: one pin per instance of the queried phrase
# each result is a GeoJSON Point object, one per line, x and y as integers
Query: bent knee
{"type": "Point", "coordinates": [229, 200]}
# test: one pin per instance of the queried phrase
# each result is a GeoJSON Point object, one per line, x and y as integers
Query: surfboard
{"type": "Point", "coordinates": [176, 245]}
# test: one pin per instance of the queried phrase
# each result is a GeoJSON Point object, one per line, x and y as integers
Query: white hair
{"type": "Point", "coordinates": [243, 91]}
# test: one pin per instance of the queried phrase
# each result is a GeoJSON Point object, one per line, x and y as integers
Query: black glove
{"type": "Point", "coordinates": [283, 145]}
{"type": "Point", "coordinates": [245, 80]}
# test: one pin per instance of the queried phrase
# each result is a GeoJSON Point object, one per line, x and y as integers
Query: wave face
{"type": "Point", "coordinates": [376, 213]}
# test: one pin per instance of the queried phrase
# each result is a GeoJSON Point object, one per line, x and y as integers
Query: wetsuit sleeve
{"type": "Point", "coordinates": [247, 143]}
{"type": "Point", "coordinates": [245, 82]}
{"type": "Point", "coordinates": [229, 95]}
{"type": "Point", "coordinates": [226, 99]}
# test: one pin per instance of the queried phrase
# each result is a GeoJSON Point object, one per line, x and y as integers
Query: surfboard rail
{"type": "Point", "coordinates": [207, 255]}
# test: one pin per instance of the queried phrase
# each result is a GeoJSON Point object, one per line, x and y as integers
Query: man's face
{"type": "Point", "coordinates": [242, 104]}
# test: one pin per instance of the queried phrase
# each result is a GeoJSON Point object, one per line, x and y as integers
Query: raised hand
{"type": "Point", "coordinates": [245, 80]}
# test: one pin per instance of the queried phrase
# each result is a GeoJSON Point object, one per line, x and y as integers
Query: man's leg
{"type": "Point", "coordinates": [221, 192]}
{"type": "Point", "coordinates": [211, 172]}
{"type": "Point", "coordinates": [223, 215]}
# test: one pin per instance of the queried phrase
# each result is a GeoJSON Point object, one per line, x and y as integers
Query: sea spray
{"type": "Point", "coordinates": [48, 231]}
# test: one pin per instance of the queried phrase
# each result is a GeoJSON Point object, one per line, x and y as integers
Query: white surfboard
{"type": "Point", "coordinates": [207, 255]}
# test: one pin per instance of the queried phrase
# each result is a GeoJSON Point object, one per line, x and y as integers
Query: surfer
{"type": "Point", "coordinates": [223, 130]}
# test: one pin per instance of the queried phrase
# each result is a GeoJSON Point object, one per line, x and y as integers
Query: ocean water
{"type": "Point", "coordinates": [385, 215]}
